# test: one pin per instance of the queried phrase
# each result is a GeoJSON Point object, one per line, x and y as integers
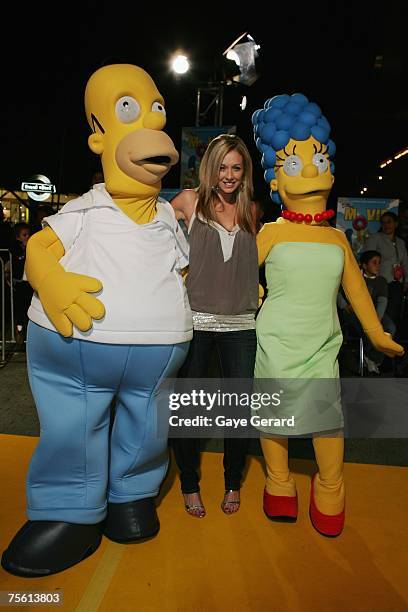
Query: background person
{"type": "Point", "coordinates": [370, 262]}
{"type": "Point", "coordinates": [394, 263]}
{"type": "Point", "coordinates": [21, 287]}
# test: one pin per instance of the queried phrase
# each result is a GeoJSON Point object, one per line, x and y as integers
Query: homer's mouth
{"type": "Point", "coordinates": [158, 159]}
{"type": "Point", "coordinates": [146, 155]}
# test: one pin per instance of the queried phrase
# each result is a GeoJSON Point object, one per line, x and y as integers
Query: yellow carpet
{"type": "Point", "coordinates": [242, 562]}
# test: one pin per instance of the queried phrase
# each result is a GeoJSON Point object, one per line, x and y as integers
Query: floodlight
{"type": "Point", "coordinates": [244, 52]}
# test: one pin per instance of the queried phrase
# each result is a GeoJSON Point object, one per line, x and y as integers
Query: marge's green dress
{"type": "Point", "coordinates": [299, 337]}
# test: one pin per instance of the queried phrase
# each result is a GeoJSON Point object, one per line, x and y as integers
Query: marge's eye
{"type": "Point", "coordinates": [321, 162]}
{"type": "Point", "coordinates": [127, 109]}
{"type": "Point", "coordinates": [292, 165]}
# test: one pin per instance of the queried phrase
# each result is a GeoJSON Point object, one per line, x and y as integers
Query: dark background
{"type": "Point", "coordinates": [351, 60]}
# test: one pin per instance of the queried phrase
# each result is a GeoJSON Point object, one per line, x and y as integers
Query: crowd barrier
{"type": "Point", "coordinates": [6, 261]}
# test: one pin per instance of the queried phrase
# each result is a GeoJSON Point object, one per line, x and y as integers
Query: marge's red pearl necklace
{"type": "Point", "coordinates": [308, 218]}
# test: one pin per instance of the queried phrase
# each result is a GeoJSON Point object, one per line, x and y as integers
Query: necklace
{"type": "Point", "coordinates": [290, 215]}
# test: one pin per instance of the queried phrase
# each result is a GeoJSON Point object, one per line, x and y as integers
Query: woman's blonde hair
{"type": "Point", "coordinates": [209, 177]}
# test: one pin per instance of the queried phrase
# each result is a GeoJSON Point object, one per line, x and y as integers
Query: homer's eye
{"type": "Point", "coordinates": [127, 109]}
{"type": "Point", "coordinates": [321, 162]}
{"type": "Point", "coordinates": [292, 165]}
{"type": "Point", "coordinates": [157, 107]}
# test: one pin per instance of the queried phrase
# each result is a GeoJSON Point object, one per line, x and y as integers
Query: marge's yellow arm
{"type": "Point", "coordinates": [265, 240]}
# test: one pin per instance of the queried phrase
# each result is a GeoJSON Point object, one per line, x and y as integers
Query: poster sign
{"type": "Point", "coordinates": [360, 217]}
{"type": "Point", "coordinates": [168, 194]}
{"type": "Point", "coordinates": [194, 141]}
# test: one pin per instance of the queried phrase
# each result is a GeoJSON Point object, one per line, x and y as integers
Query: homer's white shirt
{"type": "Point", "coordinates": [139, 266]}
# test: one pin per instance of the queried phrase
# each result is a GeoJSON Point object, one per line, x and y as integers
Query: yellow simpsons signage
{"type": "Point", "coordinates": [360, 217]}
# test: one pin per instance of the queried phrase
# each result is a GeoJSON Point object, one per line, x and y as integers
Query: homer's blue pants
{"type": "Point", "coordinates": [77, 467]}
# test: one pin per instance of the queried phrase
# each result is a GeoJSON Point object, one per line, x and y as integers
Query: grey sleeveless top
{"type": "Point", "coordinates": [223, 270]}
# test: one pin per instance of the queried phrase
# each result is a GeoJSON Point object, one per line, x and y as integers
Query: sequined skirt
{"type": "Point", "coordinates": [205, 321]}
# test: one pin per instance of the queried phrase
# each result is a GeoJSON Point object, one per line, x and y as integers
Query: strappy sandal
{"type": "Point", "coordinates": [233, 504]}
{"type": "Point", "coordinates": [196, 509]}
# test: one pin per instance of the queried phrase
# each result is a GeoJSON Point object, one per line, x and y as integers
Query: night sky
{"type": "Point", "coordinates": [327, 51]}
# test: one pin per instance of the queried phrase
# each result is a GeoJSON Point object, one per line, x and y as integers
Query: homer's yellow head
{"type": "Point", "coordinates": [127, 115]}
{"type": "Point", "coordinates": [294, 138]}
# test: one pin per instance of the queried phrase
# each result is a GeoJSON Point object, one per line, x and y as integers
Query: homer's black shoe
{"type": "Point", "coordinates": [42, 548]}
{"type": "Point", "coordinates": [132, 521]}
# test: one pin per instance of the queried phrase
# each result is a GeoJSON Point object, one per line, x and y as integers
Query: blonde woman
{"type": "Point", "coordinates": [222, 286]}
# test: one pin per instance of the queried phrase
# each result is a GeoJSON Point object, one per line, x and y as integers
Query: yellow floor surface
{"type": "Point", "coordinates": [243, 562]}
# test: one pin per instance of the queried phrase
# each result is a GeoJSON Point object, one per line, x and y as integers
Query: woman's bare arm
{"type": "Point", "coordinates": [184, 204]}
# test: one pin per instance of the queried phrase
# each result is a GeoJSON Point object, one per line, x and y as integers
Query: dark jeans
{"type": "Point", "coordinates": [236, 358]}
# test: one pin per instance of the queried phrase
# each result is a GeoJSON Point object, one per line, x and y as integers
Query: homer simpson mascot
{"type": "Point", "coordinates": [110, 320]}
{"type": "Point", "coordinates": [298, 331]}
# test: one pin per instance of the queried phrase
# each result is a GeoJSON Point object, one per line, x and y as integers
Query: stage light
{"type": "Point", "coordinates": [180, 64]}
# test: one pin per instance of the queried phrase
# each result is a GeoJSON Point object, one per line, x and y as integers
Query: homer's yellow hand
{"type": "Point", "coordinates": [64, 295]}
{"type": "Point", "coordinates": [261, 294]}
{"type": "Point", "coordinates": [66, 300]}
{"type": "Point", "coordinates": [384, 343]}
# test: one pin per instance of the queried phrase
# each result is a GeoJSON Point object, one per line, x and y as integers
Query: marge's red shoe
{"type": "Point", "coordinates": [280, 507]}
{"type": "Point", "coordinates": [328, 525]}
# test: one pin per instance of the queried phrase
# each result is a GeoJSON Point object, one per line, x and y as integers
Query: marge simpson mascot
{"type": "Point", "coordinates": [110, 320]}
{"type": "Point", "coordinates": [298, 329]}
